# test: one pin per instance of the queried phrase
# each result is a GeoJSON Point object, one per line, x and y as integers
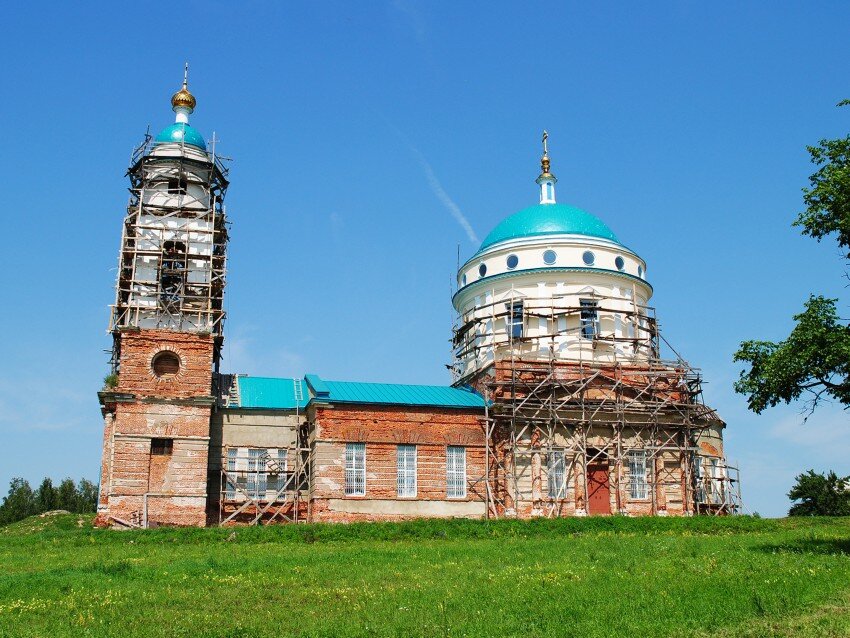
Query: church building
{"type": "Point", "coordinates": [560, 402]}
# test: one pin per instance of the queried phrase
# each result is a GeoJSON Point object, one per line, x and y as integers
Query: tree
{"type": "Point", "coordinates": [86, 496]}
{"type": "Point", "coordinates": [815, 359]}
{"type": "Point", "coordinates": [820, 495]}
{"type": "Point", "coordinates": [19, 503]}
{"type": "Point", "coordinates": [67, 496]}
{"type": "Point", "coordinates": [45, 496]}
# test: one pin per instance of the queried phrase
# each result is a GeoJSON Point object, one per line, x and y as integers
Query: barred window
{"type": "Point", "coordinates": [637, 475]}
{"type": "Point", "coordinates": [282, 468]}
{"type": "Point", "coordinates": [231, 476]}
{"type": "Point", "coordinates": [406, 478]}
{"type": "Point", "coordinates": [455, 471]}
{"type": "Point", "coordinates": [256, 473]}
{"type": "Point", "coordinates": [557, 466]}
{"type": "Point", "coordinates": [355, 469]}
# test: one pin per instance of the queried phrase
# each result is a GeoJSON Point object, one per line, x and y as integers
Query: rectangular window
{"type": "Point", "coordinates": [256, 473]}
{"type": "Point", "coordinates": [637, 475]}
{"type": "Point", "coordinates": [231, 473]}
{"type": "Point", "coordinates": [589, 318]}
{"type": "Point", "coordinates": [406, 464]}
{"type": "Point", "coordinates": [355, 469]}
{"type": "Point", "coordinates": [162, 447]}
{"type": "Point", "coordinates": [515, 320]}
{"type": "Point", "coordinates": [283, 473]}
{"type": "Point", "coordinates": [557, 475]}
{"type": "Point", "coordinates": [177, 186]}
{"type": "Point", "coordinates": [455, 471]}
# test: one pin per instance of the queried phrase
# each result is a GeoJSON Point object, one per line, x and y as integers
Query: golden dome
{"type": "Point", "coordinates": [183, 98]}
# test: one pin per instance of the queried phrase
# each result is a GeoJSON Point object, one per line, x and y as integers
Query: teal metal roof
{"type": "Point", "coordinates": [395, 394]}
{"type": "Point", "coordinates": [548, 219]}
{"type": "Point", "coordinates": [179, 132]}
{"type": "Point", "coordinates": [271, 393]}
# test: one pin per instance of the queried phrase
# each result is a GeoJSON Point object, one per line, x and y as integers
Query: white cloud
{"type": "Point", "coordinates": [444, 198]}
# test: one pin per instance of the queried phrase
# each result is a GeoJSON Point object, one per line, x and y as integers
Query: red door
{"type": "Point", "coordinates": [598, 488]}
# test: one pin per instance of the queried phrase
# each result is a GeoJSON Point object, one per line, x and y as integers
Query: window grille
{"type": "Point", "coordinates": [231, 477]}
{"type": "Point", "coordinates": [256, 473]}
{"type": "Point", "coordinates": [406, 478]}
{"type": "Point", "coordinates": [355, 469]}
{"type": "Point", "coordinates": [283, 472]}
{"type": "Point", "coordinates": [455, 471]}
{"type": "Point", "coordinates": [557, 475]}
{"type": "Point", "coordinates": [638, 488]}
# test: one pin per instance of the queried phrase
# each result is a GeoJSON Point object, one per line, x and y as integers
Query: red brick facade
{"type": "Point", "coordinates": [383, 429]}
{"type": "Point", "coordinates": [156, 432]}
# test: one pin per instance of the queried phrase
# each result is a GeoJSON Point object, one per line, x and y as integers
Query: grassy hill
{"type": "Point", "coordinates": [570, 577]}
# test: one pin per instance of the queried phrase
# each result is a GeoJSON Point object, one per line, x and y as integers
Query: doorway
{"type": "Point", "coordinates": [598, 484]}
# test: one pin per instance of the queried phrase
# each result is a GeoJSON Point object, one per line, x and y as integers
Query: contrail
{"type": "Point", "coordinates": [443, 196]}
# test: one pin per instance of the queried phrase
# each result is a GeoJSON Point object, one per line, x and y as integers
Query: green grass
{"type": "Point", "coordinates": [569, 577]}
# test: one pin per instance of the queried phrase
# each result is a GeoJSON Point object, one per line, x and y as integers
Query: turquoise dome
{"type": "Point", "coordinates": [179, 132]}
{"type": "Point", "coordinates": [548, 219]}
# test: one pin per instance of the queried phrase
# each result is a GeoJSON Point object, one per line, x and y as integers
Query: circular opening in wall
{"type": "Point", "coordinates": [512, 261]}
{"type": "Point", "coordinates": [482, 270]}
{"type": "Point", "coordinates": [588, 258]}
{"type": "Point", "coordinates": [640, 271]}
{"type": "Point", "coordinates": [463, 280]}
{"type": "Point", "coordinates": [166, 364]}
{"type": "Point", "coordinates": [549, 257]}
{"type": "Point", "coordinates": [620, 263]}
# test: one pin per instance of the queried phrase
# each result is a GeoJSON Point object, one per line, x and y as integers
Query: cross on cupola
{"type": "Point", "coordinates": [546, 180]}
{"type": "Point", "coordinates": [183, 102]}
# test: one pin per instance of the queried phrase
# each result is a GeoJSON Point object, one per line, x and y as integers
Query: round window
{"type": "Point", "coordinates": [620, 263]}
{"type": "Point", "coordinates": [512, 261]}
{"type": "Point", "coordinates": [463, 280]}
{"type": "Point", "coordinates": [640, 271]}
{"type": "Point", "coordinates": [588, 258]}
{"type": "Point", "coordinates": [482, 270]}
{"type": "Point", "coordinates": [166, 364]}
{"type": "Point", "coordinates": [549, 257]}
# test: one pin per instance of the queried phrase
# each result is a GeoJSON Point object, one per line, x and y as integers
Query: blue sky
{"type": "Point", "coordinates": [360, 131]}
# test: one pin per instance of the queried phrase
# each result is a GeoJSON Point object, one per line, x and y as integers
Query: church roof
{"type": "Point", "coordinates": [180, 132]}
{"type": "Point", "coordinates": [548, 219]}
{"type": "Point", "coordinates": [273, 393]}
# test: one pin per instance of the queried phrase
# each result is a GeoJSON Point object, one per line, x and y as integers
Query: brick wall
{"type": "Point", "coordinates": [144, 407]}
{"type": "Point", "coordinates": [382, 429]}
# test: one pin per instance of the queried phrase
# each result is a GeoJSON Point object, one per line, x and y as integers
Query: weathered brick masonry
{"type": "Point", "coordinates": [382, 429]}
{"type": "Point", "coordinates": [167, 483]}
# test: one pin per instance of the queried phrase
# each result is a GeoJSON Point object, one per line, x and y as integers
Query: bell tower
{"type": "Point", "coordinates": [167, 328]}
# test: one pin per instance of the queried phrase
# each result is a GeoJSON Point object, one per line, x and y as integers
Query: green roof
{"type": "Point", "coordinates": [548, 219]}
{"type": "Point", "coordinates": [397, 394]}
{"type": "Point", "coordinates": [271, 393]}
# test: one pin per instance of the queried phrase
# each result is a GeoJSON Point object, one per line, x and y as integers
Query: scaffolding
{"type": "Point", "coordinates": [578, 396]}
{"type": "Point", "coordinates": [172, 263]}
{"type": "Point", "coordinates": [261, 486]}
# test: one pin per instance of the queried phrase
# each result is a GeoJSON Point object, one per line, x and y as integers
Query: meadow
{"type": "Point", "coordinates": [571, 577]}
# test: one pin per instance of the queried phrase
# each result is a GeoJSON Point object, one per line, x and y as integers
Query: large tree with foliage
{"type": "Point", "coordinates": [814, 361]}
{"type": "Point", "coordinates": [819, 495]}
